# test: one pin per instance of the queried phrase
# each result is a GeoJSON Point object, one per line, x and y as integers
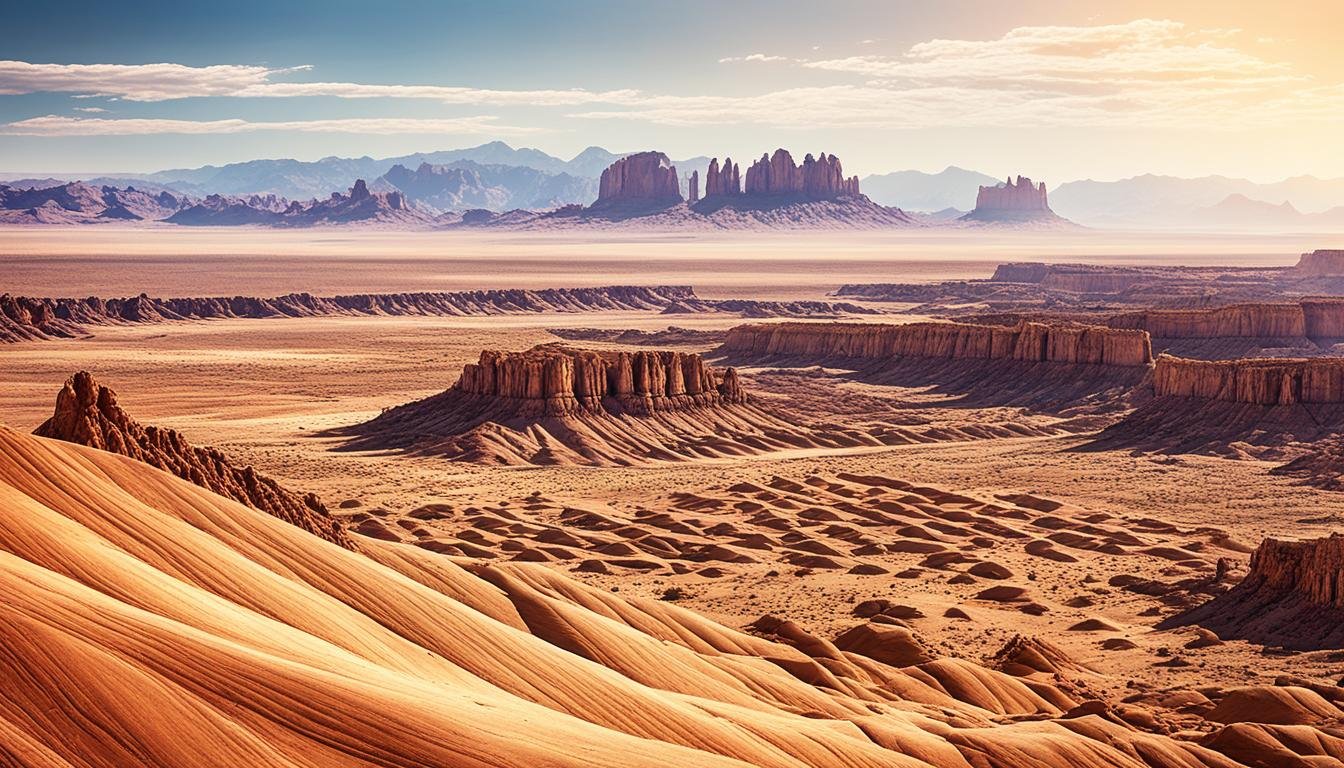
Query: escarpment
{"type": "Point", "coordinates": [1321, 263]}
{"type": "Point", "coordinates": [558, 381]}
{"type": "Point", "coordinates": [1293, 596]}
{"type": "Point", "coordinates": [23, 317]}
{"type": "Point", "coordinates": [87, 414]}
{"type": "Point", "coordinates": [1029, 342]}
{"type": "Point", "coordinates": [1267, 382]}
{"type": "Point", "coordinates": [1321, 318]}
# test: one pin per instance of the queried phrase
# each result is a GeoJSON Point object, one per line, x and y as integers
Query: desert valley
{"type": "Point", "coordinates": [359, 407]}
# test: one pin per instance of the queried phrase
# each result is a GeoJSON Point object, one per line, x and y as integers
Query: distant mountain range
{"type": "Point", "coordinates": [498, 178]}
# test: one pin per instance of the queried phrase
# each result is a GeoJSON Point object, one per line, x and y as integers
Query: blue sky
{"type": "Point", "coordinates": [1055, 90]}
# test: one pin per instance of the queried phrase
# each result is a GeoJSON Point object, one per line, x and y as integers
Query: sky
{"type": "Point", "coordinates": [1050, 89]}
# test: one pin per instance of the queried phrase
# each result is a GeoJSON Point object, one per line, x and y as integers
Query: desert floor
{"type": "Point", "coordinates": [262, 389]}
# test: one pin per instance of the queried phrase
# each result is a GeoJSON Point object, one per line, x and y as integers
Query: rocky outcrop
{"type": "Point", "coordinates": [722, 181]}
{"type": "Point", "coordinates": [819, 178]}
{"type": "Point", "coordinates": [644, 177]}
{"type": "Point", "coordinates": [693, 191]}
{"type": "Point", "coordinates": [1012, 201]}
{"type": "Point", "coordinates": [1293, 596]}
{"type": "Point", "coordinates": [553, 380]}
{"type": "Point", "coordinates": [1032, 342]}
{"type": "Point", "coordinates": [88, 414]}
{"type": "Point", "coordinates": [1266, 382]}
{"type": "Point", "coordinates": [1309, 318]}
{"type": "Point", "coordinates": [24, 317]}
{"type": "Point", "coordinates": [1321, 263]}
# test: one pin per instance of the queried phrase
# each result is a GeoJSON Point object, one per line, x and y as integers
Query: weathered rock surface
{"type": "Point", "coordinates": [722, 180]}
{"type": "Point", "coordinates": [1321, 263]}
{"type": "Point", "coordinates": [644, 177]}
{"type": "Point", "coordinates": [88, 414]}
{"type": "Point", "coordinates": [553, 380]}
{"type": "Point", "coordinates": [1012, 201]}
{"type": "Point", "coordinates": [24, 317]}
{"type": "Point", "coordinates": [1033, 342]}
{"type": "Point", "coordinates": [1293, 596]}
{"type": "Point", "coordinates": [819, 178]}
{"type": "Point", "coordinates": [1266, 381]}
{"type": "Point", "coordinates": [1309, 318]}
{"type": "Point", "coordinates": [693, 191]}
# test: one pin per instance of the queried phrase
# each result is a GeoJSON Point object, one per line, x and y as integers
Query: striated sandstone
{"type": "Point", "coordinates": [554, 380]}
{"type": "Point", "coordinates": [1033, 342]}
{"type": "Point", "coordinates": [1321, 263]}
{"type": "Point", "coordinates": [88, 414]}
{"type": "Point", "coordinates": [1249, 380]}
{"type": "Point", "coordinates": [643, 177]}
{"type": "Point", "coordinates": [1293, 596]}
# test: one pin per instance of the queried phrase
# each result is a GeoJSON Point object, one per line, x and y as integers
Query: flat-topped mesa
{"type": "Point", "coordinates": [1250, 380]}
{"type": "Point", "coordinates": [1310, 318]}
{"type": "Point", "coordinates": [819, 178]}
{"type": "Point", "coordinates": [88, 414]}
{"type": "Point", "coordinates": [554, 380]}
{"type": "Point", "coordinates": [644, 177]}
{"type": "Point", "coordinates": [1021, 195]}
{"type": "Point", "coordinates": [1320, 263]}
{"type": "Point", "coordinates": [1312, 569]}
{"type": "Point", "coordinates": [1031, 342]}
{"type": "Point", "coordinates": [722, 181]}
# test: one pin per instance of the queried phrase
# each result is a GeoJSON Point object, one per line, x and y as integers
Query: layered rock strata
{"type": "Point", "coordinates": [641, 177]}
{"type": "Point", "coordinates": [1309, 318]}
{"type": "Point", "coordinates": [1293, 596]}
{"type": "Point", "coordinates": [1321, 263]}
{"type": "Point", "coordinates": [819, 178]}
{"type": "Point", "coordinates": [1255, 381]}
{"type": "Point", "coordinates": [558, 381]}
{"type": "Point", "coordinates": [1032, 342]}
{"type": "Point", "coordinates": [88, 414]}
{"type": "Point", "coordinates": [23, 317]}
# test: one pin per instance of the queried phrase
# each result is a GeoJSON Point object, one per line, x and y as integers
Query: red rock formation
{"type": "Point", "coordinates": [693, 193]}
{"type": "Point", "coordinates": [1293, 596]}
{"type": "Point", "coordinates": [1033, 342]}
{"type": "Point", "coordinates": [818, 178]}
{"type": "Point", "coordinates": [1250, 380]}
{"type": "Point", "coordinates": [1238, 320]}
{"type": "Point", "coordinates": [553, 380]}
{"type": "Point", "coordinates": [720, 181]}
{"type": "Point", "coordinates": [88, 414]}
{"type": "Point", "coordinates": [643, 177]}
{"type": "Point", "coordinates": [1021, 195]}
{"type": "Point", "coordinates": [1321, 263]}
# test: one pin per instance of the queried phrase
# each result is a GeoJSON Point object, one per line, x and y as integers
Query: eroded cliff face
{"type": "Point", "coordinates": [88, 414]}
{"type": "Point", "coordinates": [1309, 318]}
{"type": "Point", "coordinates": [1033, 342]}
{"type": "Point", "coordinates": [1249, 380]}
{"type": "Point", "coordinates": [818, 178]}
{"type": "Point", "coordinates": [641, 177]}
{"type": "Point", "coordinates": [554, 380]}
{"type": "Point", "coordinates": [24, 317]}
{"type": "Point", "coordinates": [1293, 596]}
{"type": "Point", "coordinates": [1019, 195]}
{"type": "Point", "coordinates": [1321, 263]}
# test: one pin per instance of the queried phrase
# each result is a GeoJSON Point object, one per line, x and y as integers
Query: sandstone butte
{"type": "Point", "coordinates": [1321, 263]}
{"type": "Point", "coordinates": [87, 414]}
{"type": "Point", "coordinates": [1251, 380]}
{"type": "Point", "coordinates": [643, 177]}
{"type": "Point", "coordinates": [554, 380]}
{"type": "Point", "coordinates": [1021, 195]}
{"type": "Point", "coordinates": [1033, 342]}
{"type": "Point", "coordinates": [819, 178]}
{"type": "Point", "coordinates": [1311, 318]}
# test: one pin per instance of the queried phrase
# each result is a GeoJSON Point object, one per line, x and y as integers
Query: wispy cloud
{"type": "Point", "coordinates": [163, 82]}
{"type": "Point", "coordinates": [755, 57]}
{"type": "Point", "coordinates": [90, 109]}
{"type": "Point", "coordinates": [56, 125]}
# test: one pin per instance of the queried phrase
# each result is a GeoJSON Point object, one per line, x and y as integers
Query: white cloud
{"type": "Point", "coordinates": [55, 125]}
{"type": "Point", "coordinates": [90, 109]}
{"type": "Point", "coordinates": [162, 82]}
{"type": "Point", "coordinates": [754, 57]}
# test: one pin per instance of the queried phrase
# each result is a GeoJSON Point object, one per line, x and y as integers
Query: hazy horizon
{"type": "Point", "coordinates": [1056, 91]}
